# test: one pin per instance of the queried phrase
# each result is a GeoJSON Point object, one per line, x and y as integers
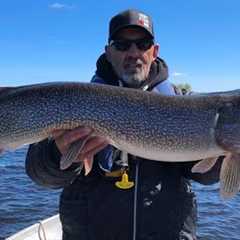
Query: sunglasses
{"type": "Point", "coordinates": [124, 44]}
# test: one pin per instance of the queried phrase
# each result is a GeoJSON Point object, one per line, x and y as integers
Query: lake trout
{"type": "Point", "coordinates": [145, 124]}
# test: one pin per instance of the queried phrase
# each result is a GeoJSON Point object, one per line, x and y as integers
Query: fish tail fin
{"type": "Point", "coordinates": [230, 176]}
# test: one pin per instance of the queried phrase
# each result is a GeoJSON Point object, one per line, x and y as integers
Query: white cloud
{"type": "Point", "coordinates": [60, 6]}
{"type": "Point", "coordinates": [178, 74]}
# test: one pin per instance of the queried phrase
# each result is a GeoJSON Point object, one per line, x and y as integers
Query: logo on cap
{"type": "Point", "coordinates": [143, 20]}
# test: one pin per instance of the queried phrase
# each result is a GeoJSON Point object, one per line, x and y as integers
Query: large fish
{"type": "Point", "coordinates": [145, 124]}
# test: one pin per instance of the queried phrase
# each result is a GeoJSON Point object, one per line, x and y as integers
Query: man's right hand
{"type": "Point", "coordinates": [94, 144]}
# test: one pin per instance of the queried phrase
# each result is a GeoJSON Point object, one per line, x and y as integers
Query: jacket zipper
{"type": "Point", "coordinates": [135, 200]}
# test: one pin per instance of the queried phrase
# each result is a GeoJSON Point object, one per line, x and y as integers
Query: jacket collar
{"type": "Point", "coordinates": [158, 73]}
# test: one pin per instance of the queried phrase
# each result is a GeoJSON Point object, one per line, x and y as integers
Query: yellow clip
{"type": "Point", "coordinates": [124, 183]}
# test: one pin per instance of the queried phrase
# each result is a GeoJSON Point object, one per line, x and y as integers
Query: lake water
{"type": "Point", "coordinates": [23, 203]}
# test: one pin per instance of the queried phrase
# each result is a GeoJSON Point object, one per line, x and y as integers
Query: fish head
{"type": "Point", "coordinates": [227, 130]}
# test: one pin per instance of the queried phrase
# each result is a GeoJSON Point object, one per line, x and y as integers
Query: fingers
{"type": "Point", "coordinates": [88, 163]}
{"type": "Point", "coordinates": [92, 144]}
{"type": "Point", "coordinates": [92, 147]}
{"type": "Point", "coordinates": [89, 155]}
{"type": "Point", "coordinates": [64, 138]}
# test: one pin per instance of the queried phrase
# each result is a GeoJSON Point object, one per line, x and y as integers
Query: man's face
{"type": "Point", "coordinates": [131, 64]}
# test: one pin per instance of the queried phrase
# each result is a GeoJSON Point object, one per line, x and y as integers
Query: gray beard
{"type": "Point", "coordinates": [134, 80]}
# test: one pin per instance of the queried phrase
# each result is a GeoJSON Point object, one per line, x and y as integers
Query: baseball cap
{"type": "Point", "coordinates": [130, 18]}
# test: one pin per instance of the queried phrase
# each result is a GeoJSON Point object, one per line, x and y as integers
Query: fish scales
{"type": "Point", "coordinates": [141, 123]}
{"type": "Point", "coordinates": [145, 124]}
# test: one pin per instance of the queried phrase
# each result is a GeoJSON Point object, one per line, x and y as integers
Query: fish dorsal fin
{"type": "Point", "coordinates": [204, 165]}
{"type": "Point", "coordinates": [230, 176]}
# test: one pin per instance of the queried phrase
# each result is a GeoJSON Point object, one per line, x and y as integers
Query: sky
{"type": "Point", "coordinates": [43, 41]}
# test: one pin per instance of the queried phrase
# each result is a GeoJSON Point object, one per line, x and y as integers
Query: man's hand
{"type": "Point", "coordinates": [94, 144]}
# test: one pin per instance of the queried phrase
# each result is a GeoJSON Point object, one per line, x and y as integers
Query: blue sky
{"type": "Point", "coordinates": [43, 41]}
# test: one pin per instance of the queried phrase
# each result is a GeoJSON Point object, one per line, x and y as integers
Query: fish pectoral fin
{"type": "Point", "coordinates": [72, 153]}
{"type": "Point", "coordinates": [230, 176]}
{"type": "Point", "coordinates": [204, 165]}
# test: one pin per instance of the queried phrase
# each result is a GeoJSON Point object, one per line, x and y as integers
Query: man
{"type": "Point", "coordinates": [154, 200]}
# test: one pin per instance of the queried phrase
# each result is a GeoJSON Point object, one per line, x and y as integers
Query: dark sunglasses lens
{"type": "Point", "coordinates": [144, 44]}
{"type": "Point", "coordinates": [122, 45]}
